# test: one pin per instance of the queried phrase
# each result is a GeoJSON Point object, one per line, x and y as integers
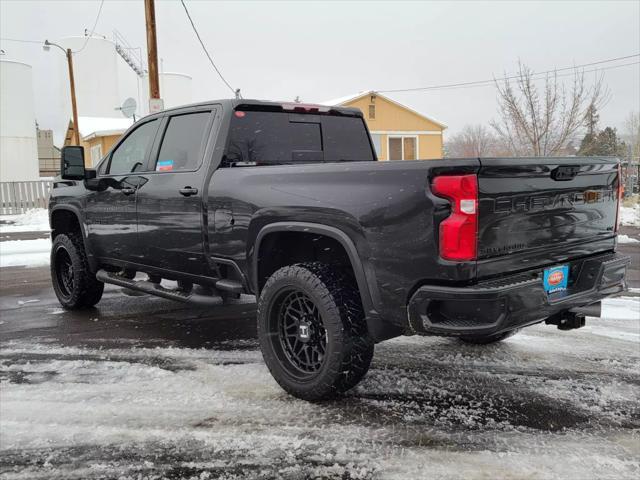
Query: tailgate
{"type": "Point", "coordinates": [542, 211]}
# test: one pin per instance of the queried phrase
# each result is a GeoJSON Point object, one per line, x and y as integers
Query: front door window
{"type": "Point", "coordinates": [130, 156]}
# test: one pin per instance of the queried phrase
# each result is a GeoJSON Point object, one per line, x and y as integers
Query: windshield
{"type": "Point", "coordinates": [281, 138]}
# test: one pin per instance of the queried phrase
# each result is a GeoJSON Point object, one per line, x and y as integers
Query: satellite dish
{"type": "Point", "coordinates": [128, 108]}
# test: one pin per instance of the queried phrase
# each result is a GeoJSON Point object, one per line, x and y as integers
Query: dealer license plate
{"type": "Point", "coordinates": [556, 279]}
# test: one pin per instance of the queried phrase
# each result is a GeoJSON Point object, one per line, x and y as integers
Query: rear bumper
{"type": "Point", "coordinates": [496, 306]}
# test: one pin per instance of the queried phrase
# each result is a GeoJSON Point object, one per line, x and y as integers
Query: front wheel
{"type": "Point", "coordinates": [312, 330]}
{"type": "Point", "coordinates": [74, 284]}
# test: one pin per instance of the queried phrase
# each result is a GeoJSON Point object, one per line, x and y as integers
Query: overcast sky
{"type": "Point", "coordinates": [322, 50]}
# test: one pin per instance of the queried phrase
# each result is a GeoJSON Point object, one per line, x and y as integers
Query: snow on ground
{"type": "Point", "coordinates": [30, 253]}
{"type": "Point", "coordinates": [544, 404]}
{"type": "Point", "coordinates": [621, 308]}
{"type": "Point", "coordinates": [630, 216]}
{"type": "Point", "coordinates": [627, 239]}
{"type": "Point", "coordinates": [35, 220]}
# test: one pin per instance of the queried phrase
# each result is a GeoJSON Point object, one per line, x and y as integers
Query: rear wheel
{"type": "Point", "coordinates": [74, 284]}
{"type": "Point", "coordinates": [312, 330]}
{"type": "Point", "coordinates": [487, 339]}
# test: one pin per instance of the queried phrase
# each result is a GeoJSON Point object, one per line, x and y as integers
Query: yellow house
{"type": "Point", "coordinates": [398, 132]}
{"type": "Point", "coordinates": [97, 136]}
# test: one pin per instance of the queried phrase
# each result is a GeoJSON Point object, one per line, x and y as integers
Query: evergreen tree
{"type": "Point", "coordinates": [588, 145]}
{"type": "Point", "coordinates": [591, 119]}
{"type": "Point", "coordinates": [603, 143]}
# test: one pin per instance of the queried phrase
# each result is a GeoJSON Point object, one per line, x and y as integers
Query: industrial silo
{"type": "Point", "coordinates": [95, 70]}
{"type": "Point", "coordinates": [175, 90]}
{"type": "Point", "coordinates": [18, 140]}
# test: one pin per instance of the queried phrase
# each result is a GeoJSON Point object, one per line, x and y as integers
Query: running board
{"type": "Point", "coordinates": [158, 290]}
{"type": "Point", "coordinates": [230, 286]}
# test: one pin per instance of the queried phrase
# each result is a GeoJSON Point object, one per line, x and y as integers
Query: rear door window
{"type": "Point", "coordinates": [183, 142]}
{"type": "Point", "coordinates": [281, 138]}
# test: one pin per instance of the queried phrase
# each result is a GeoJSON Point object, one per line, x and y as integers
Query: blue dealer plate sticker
{"type": "Point", "coordinates": [164, 166]}
{"type": "Point", "coordinates": [556, 279]}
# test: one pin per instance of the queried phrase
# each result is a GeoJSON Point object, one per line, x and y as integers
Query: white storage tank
{"type": "Point", "coordinates": [18, 137]}
{"type": "Point", "coordinates": [95, 69]}
{"type": "Point", "coordinates": [175, 90]}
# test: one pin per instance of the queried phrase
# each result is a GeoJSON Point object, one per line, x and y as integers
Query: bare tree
{"type": "Point", "coordinates": [472, 141]}
{"type": "Point", "coordinates": [540, 122]}
{"type": "Point", "coordinates": [632, 133]}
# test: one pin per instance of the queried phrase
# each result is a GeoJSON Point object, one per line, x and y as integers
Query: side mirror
{"type": "Point", "coordinates": [72, 163]}
{"type": "Point", "coordinates": [91, 182]}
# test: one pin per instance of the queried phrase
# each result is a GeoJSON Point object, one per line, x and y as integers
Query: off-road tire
{"type": "Point", "coordinates": [83, 290]}
{"type": "Point", "coordinates": [488, 339]}
{"type": "Point", "coordinates": [349, 349]}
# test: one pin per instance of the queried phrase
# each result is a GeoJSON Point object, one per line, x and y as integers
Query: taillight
{"type": "Point", "coordinates": [620, 194]}
{"type": "Point", "coordinates": [305, 108]}
{"type": "Point", "coordinates": [459, 231]}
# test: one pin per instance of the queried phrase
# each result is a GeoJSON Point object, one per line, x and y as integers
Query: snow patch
{"type": "Point", "coordinates": [630, 216]}
{"type": "Point", "coordinates": [621, 308]}
{"type": "Point", "coordinates": [35, 220]}
{"type": "Point", "coordinates": [29, 253]}
{"type": "Point", "coordinates": [147, 412]}
{"type": "Point", "coordinates": [627, 239]}
{"type": "Point", "coordinates": [24, 302]}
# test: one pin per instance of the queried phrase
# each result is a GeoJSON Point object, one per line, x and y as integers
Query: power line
{"type": "Point", "coordinates": [533, 78]}
{"type": "Point", "coordinates": [205, 49]}
{"type": "Point", "coordinates": [93, 29]}
{"type": "Point", "coordinates": [493, 80]}
{"type": "Point", "coordinates": [41, 42]}
{"type": "Point", "coordinates": [19, 40]}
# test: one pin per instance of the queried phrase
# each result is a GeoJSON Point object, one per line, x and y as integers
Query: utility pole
{"type": "Point", "coordinates": [155, 103]}
{"type": "Point", "coordinates": [72, 83]}
{"type": "Point", "coordinates": [74, 106]}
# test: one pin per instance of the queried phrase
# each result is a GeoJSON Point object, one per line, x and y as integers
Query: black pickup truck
{"type": "Point", "coordinates": [288, 202]}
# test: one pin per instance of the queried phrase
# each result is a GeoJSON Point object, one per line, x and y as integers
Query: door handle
{"type": "Point", "coordinates": [128, 190]}
{"type": "Point", "coordinates": [188, 191]}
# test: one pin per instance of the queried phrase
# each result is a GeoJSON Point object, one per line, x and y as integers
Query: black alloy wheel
{"type": "Point", "coordinates": [312, 330]}
{"type": "Point", "coordinates": [73, 281]}
{"type": "Point", "coordinates": [303, 338]}
{"type": "Point", "coordinates": [64, 271]}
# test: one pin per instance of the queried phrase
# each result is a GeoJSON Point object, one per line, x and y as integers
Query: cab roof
{"type": "Point", "coordinates": [251, 104]}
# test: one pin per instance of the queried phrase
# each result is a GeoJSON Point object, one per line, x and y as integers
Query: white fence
{"type": "Point", "coordinates": [18, 197]}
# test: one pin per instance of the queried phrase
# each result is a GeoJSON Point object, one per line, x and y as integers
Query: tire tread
{"type": "Point", "coordinates": [340, 297]}
{"type": "Point", "coordinates": [87, 289]}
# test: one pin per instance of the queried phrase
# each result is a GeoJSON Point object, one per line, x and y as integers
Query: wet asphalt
{"type": "Point", "coordinates": [139, 318]}
{"type": "Point", "coordinates": [28, 299]}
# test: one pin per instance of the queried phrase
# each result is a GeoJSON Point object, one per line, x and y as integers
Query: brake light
{"type": "Point", "coordinates": [305, 108]}
{"type": "Point", "coordinates": [459, 231]}
{"type": "Point", "coordinates": [620, 195]}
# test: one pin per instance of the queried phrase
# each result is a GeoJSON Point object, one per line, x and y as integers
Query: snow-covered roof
{"type": "Point", "coordinates": [91, 127]}
{"type": "Point", "coordinates": [349, 98]}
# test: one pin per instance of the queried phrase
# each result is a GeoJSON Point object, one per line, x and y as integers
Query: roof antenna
{"type": "Point", "coordinates": [238, 96]}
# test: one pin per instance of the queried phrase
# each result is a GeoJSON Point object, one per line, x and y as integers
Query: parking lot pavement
{"type": "Point", "coordinates": [141, 387]}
